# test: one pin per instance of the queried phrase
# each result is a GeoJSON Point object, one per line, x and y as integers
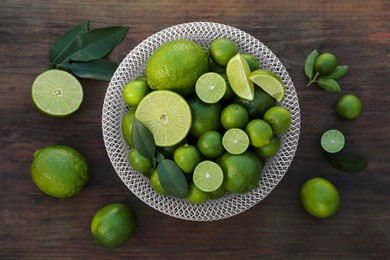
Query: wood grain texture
{"type": "Point", "coordinates": [35, 226]}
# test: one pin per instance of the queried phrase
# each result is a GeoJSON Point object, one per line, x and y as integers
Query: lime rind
{"type": "Point", "coordinates": [238, 71]}
{"type": "Point", "coordinates": [332, 141]}
{"type": "Point", "coordinates": [210, 87]}
{"type": "Point", "coordinates": [269, 82]}
{"type": "Point", "coordinates": [208, 176]}
{"type": "Point", "coordinates": [235, 141]}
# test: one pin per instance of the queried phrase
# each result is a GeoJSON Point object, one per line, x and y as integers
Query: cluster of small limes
{"type": "Point", "coordinates": [214, 114]}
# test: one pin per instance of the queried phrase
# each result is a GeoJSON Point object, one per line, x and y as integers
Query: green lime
{"type": "Point", "coordinates": [139, 162]}
{"type": "Point", "coordinates": [155, 183]}
{"type": "Point", "coordinates": [216, 68]}
{"type": "Point", "coordinates": [134, 92]}
{"type": "Point", "coordinates": [242, 172]}
{"type": "Point", "coordinates": [252, 61]}
{"type": "Point", "coordinates": [195, 195]}
{"type": "Point", "coordinates": [278, 118]}
{"type": "Point", "coordinates": [259, 132]}
{"type": "Point", "coordinates": [261, 102]}
{"type": "Point", "coordinates": [269, 82]}
{"type": "Point", "coordinates": [210, 144]}
{"type": "Point", "coordinates": [59, 171]}
{"type": "Point", "coordinates": [127, 126]}
{"type": "Point", "coordinates": [57, 93]}
{"type": "Point", "coordinates": [235, 141]}
{"type": "Point", "coordinates": [325, 64]}
{"type": "Point", "coordinates": [205, 117]}
{"type": "Point", "coordinates": [142, 78]}
{"type": "Point", "coordinates": [270, 149]}
{"type": "Point", "coordinates": [332, 141]}
{"type": "Point", "coordinates": [234, 116]}
{"type": "Point", "coordinates": [229, 94]}
{"type": "Point", "coordinates": [208, 176]}
{"type": "Point", "coordinates": [349, 106]}
{"type": "Point", "coordinates": [166, 114]}
{"type": "Point", "coordinates": [187, 157]}
{"type": "Point", "coordinates": [113, 225]}
{"type": "Point", "coordinates": [210, 87]}
{"type": "Point", "coordinates": [221, 50]}
{"type": "Point", "coordinates": [238, 71]}
{"type": "Point", "coordinates": [168, 151]}
{"type": "Point", "coordinates": [218, 193]}
{"type": "Point", "coordinates": [176, 66]}
{"type": "Point", "coordinates": [320, 197]}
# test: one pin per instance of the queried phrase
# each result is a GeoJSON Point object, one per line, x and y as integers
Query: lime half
{"type": "Point", "coordinates": [210, 87]}
{"type": "Point", "coordinates": [237, 71]}
{"type": "Point", "coordinates": [57, 93]}
{"type": "Point", "coordinates": [167, 116]}
{"type": "Point", "coordinates": [235, 141]}
{"type": "Point", "coordinates": [208, 176]}
{"type": "Point", "coordinates": [332, 141]}
{"type": "Point", "coordinates": [269, 82]}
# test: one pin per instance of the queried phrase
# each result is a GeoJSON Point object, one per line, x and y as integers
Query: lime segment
{"type": "Point", "coordinates": [208, 176]}
{"type": "Point", "coordinates": [269, 82]}
{"type": "Point", "coordinates": [332, 141]}
{"type": "Point", "coordinates": [210, 87]}
{"type": "Point", "coordinates": [238, 71]}
{"type": "Point", "coordinates": [235, 141]}
{"type": "Point", "coordinates": [167, 116]}
{"type": "Point", "coordinates": [57, 93]}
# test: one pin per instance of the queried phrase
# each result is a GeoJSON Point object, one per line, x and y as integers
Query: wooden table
{"type": "Point", "coordinates": [36, 226]}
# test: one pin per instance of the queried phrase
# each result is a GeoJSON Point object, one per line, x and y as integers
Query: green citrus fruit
{"type": "Point", "coordinates": [210, 144]}
{"type": "Point", "coordinates": [187, 157]}
{"type": "Point", "coordinates": [259, 132]}
{"type": "Point", "coordinates": [252, 61]}
{"type": "Point", "coordinates": [208, 176]}
{"type": "Point", "coordinates": [134, 92]}
{"type": "Point", "coordinates": [325, 64]}
{"type": "Point", "coordinates": [210, 87]}
{"type": "Point", "coordinates": [235, 141]}
{"type": "Point", "coordinates": [229, 94]}
{"type": "Point", "coordinates": [320, 197]}
{"type": "Point", "coordinates": [113, 225]}
{"type": "Point", "coordinates": [59, 171]}
{"type": "Point", "coordinates": [234, 116]}
{"type": "Point", "coordinates": [238, 71]}
{"type": "Point", "coordinates": [349, 106]}
{"type": "Point", "coordinates": [205, 117]}
{"type": "Point", "coordinates": [195, 195]}
{"type": "Point", "coordinates": [127, 126]}
{"type": "Point", "coordinates": [155, 183]}
{"type": "Point", "coordinates": [332, 141]}
{"type": "Point", "coordinates": [57, 93]}
{"type": "Point", "coordinates": [242, 172]}
{"type": "Point", "coordinates": [262, 101]}
{"type": "Point", "coordinates": [269, 82]}
{"type": "Point", "coordinates": [139, 162]}
{"type": "Point", "coordinates": [221, 50]}
{"type": "Point", "coordinates": [176, 65]}
{"type": "Point", "coordinates": [218, 193]}
{"type": "Point", "coordinates": [279, 119]}
{"type": "Point", "coordinates": [270, 149]}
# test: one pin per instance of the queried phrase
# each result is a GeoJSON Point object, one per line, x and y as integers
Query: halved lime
{"type": "Point", "coordinates": [208, 176]}
{"type": "Point", "coordinates": [238, 71]}
{"type": "Point", "coordinates": [269, 82]}
{"type": "Point", "coordinates": [235, 141]}
{"type": "Point", "coordinates": [57, 93]}
{"type": "Point", "coordinates": [210, 87]}
{"type": "Point", "coordinates": [332, 141]}
{"type": "Point", "coordinates": [167, 116]}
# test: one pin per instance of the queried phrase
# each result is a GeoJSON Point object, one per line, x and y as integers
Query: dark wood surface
{"type": "Point", "coordinates": [36, 226]}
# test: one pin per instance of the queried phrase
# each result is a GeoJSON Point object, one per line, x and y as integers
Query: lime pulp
{"type": "Point", "coordinates": [269, 82]}
{"type": "Point", "coordinates": [208, 176]}
{"type": "Point", "coordinates": [332, 141]}
{"type": "Point", "coordinates": [235, 141]}
{"type": "Point", "coordinates": [238, 71]}
{"type": "Point", "coordinates": [210, 87]}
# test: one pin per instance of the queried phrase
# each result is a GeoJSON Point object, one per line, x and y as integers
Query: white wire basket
{"type": "Point", "coordinates": [114, 110]}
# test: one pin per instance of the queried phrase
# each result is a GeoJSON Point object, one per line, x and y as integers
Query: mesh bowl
{"type": "Point", "coordinates": [114, 110]}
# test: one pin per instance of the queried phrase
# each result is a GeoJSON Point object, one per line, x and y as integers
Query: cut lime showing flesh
{"type": "Point", "coordinates": [235, 141]}
{"type": "Point", "coordinates": [208, 176]}
{"type": "Point", "coordinates": [210, 87]}
{"type": "Point", "coordinates": [269, 82]}
{"type": "Point", "coordinates": [238, 71]}
{"type": "Point", "coordinates": [167, 116]}
{"type": "Point", "coordinates": [332, 141]}
{"type": "Point", "coordinates": [57, 93]}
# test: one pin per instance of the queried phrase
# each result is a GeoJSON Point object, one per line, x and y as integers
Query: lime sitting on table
{"type": "Point", "coordinates": [214, 123]}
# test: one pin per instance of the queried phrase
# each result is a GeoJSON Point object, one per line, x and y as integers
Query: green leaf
{"type": "Point", "coordinates": [338, 72]}
{"type": "Point", "coordinates": [329, 84]}
{"type": "Point", "coordinates": [95, 44]}
{"type": "Point", "coordinates": [172, 178]}
{"type": "Point", "coordinates": [99, 69]}
{"type": "Point", "coordinates": [143, 139]}
{"type": "Point", "coordinates": [64, 41]}
{"type": "Point", "coordinates": [348, 163]}
{"type": "Point", "coordinates": [309, 64]}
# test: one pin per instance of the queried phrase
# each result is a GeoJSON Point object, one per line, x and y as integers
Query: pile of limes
{"type": "Point", "coordinates": [213, 115]}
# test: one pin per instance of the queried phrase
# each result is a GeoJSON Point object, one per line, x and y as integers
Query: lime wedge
{"type": "Point", "coordinates": [210, 87]}
{"type": "Point", "coordinates": [208, 176]}
{"type": "Point", "coordinates": [57, 93]}
{"type": "Point", "coordinates": [235, 141]}
{"type": "Point", "coordinates": [332, 141]}
{"type": "Point", "coordinates": [167, 116]}
{"type": "Point", "coordinates": [237, 71]}
{"type": "Point", "coordinates": [269, 82]}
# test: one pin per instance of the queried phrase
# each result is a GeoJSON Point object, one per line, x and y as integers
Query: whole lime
{"type": "Point", "coordinates": [205, 117]}
{"type": "Point", "coordinates": [59, 171]}
{"type": "Point", "coordinates": [176, 66]}
{"type": "Point", "coordinates": [349, 106]}
{"type": "Point", "coordinates": [221, 50]}
{"type": "Point", "coordinates": [326, 63]}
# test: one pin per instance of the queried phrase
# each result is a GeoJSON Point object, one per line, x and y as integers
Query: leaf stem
{"type": "Point", "coordinates": [314, 80]}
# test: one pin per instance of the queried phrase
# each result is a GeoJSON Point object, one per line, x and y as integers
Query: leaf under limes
{"type": "Point", "coordinates": [99, 69]}
{"type": "Point", "coordinates": [143, 139]}
{"type": "Point", "coordinates": [348, 163]}
{"type": "Point", "coordinates": [172, 178]}
{"type": "Point", "coordinates": [309, 64]}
